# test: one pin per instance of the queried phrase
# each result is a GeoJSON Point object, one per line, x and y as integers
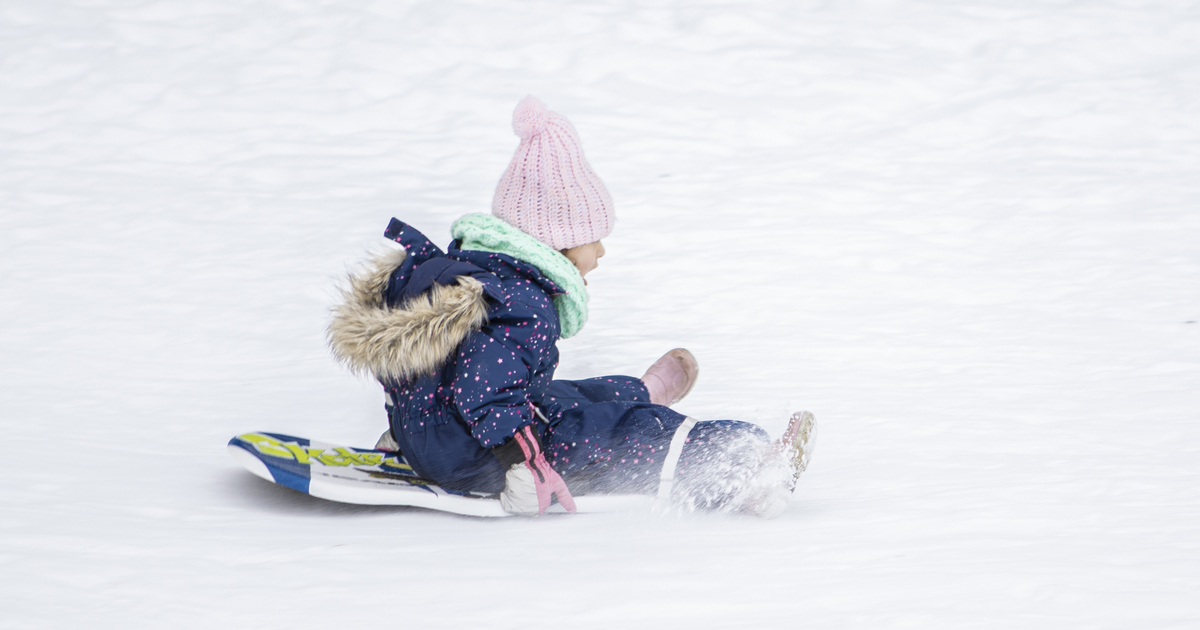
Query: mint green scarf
{"type": "Point", "coordinates": [486, 233]}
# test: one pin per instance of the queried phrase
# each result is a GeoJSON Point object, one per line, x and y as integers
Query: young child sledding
{"type": "Point", "coordinates": [464, 343]}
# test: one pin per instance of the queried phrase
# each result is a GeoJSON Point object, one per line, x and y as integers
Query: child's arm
{"type": "Point", "coordinates": [495, 367]}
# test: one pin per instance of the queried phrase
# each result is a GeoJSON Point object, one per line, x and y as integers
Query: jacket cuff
{"type": "Point", "coordinates": [510, 453]}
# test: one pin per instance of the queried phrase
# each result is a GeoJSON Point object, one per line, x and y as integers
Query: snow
{"type": "Point", "coordinates": [963, 234]}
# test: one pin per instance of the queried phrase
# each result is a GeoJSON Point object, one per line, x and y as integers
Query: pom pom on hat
{"type": "Point", "coordinates": [529, 118]}
{"type": "Point", "coordinates": [549, 190]}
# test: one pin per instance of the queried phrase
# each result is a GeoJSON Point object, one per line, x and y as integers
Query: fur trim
{"type": "Point", "coordinates": [407, 342]}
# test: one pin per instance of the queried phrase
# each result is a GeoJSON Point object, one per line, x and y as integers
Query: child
{"type": "Point", "coordinates": [463, 342]}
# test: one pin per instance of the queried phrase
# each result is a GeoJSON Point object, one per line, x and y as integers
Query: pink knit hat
{"type": "Point", "coordinates": [549, 191]}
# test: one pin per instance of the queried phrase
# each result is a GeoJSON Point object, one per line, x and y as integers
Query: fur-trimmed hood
{"type": "Point", "coordinates": [408, 341]}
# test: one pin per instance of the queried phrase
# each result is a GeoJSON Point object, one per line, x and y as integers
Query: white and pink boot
{"type": "Point", "coordinates": [797, 443]}
{"type": "Point", "coordinates": [671, 377]}
{"type": "Point", "coordinates": [783, 461]}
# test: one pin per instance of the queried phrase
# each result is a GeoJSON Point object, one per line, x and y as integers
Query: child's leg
{"type": "Point", "coordinates": [563, 395]}
{"type": "Point", "coordinates": [613, 447]}
{"type": "Point", "coordinates": [724, 466]}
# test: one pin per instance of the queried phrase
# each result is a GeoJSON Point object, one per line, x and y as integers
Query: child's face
{"type": "Point", "coordinates": [585, 257]}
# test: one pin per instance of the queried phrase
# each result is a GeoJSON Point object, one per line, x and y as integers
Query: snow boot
{"type": "Point", "coordinates": [782, 464]}
{"type": "Point", "coordinates": [797, 443]}
{"type": "Point", "coordinates": [671, 377]}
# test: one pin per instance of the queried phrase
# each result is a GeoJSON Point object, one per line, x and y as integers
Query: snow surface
{"type": "Point", "coordinates": [963, 234]}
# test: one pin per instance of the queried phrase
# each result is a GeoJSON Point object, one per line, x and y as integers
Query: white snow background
{"type": "Point", "coordinates": [964, 234]}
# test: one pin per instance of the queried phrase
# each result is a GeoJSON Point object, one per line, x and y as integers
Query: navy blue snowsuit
{"type": "Point", "coordinates": [603, 435]}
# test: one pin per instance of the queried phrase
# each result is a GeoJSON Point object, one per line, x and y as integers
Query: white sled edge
{"type": "Point", "coordinates": [250, 462]}
{"type": "Point", "coordinates": [365, 493]}
{"type": "Point", "coordinates": [412, 496]}
{"type": "Point", "coordinates": [353, 492]}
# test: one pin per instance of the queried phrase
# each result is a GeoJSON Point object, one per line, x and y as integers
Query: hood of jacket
{"type": "Point", "coordinates": [405, 312]}
{"type": "Point", "coordinates": [411, 339]}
